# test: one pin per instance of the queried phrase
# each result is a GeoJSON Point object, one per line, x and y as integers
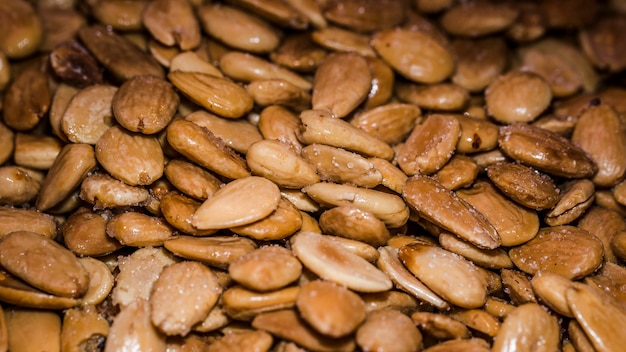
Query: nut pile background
{"type": "Point", "coordinates": [312, 175]}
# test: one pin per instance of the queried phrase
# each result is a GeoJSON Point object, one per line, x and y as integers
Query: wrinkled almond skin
{"type": "Point", "coordinates": [43, 263]}
{"type": "Point", "coordinates": [565, 250]}
{"type": "Point", "coordinates": [524, 185]}
{"type": "Point", "coordinates": [442, 207]}
{"type": "Point", "coordinates": [546, 151]}
{"type": "Point", "coordinates": [145, 104]}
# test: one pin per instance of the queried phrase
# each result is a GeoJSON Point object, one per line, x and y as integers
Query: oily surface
{"type": "Point", "coordinates": [319, 175]}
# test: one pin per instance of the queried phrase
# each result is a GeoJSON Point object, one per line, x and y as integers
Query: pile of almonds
{"type": "Point", "coordinates": [312, 175]}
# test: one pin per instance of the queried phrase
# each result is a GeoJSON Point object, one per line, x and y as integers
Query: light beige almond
{"type": "Point", "coordinates": [237, 28]}
{"type": "Point", "coordinates": [191, 61]}
{"type": "Point", "coordinates": [388, 330]}
{"type": "Point", "coordinates": [244, 304]}
{"type": "Point", "coordinates": [592, 309]}
{"type": "Point", "coordinates": [277, 162]}
{"type": "Point", "coordinates": [341, 83]}
{"type": "Point", "coordinates": [415, 55]}
{"type": "Point", "coordinates": [240, 202]}
{"type": "Point", "coordinates": [89, 114]}
{"type": "Point", "coordinates": [143, 160]}
{"type": "Point", "coordinates": [430, 145]}
{"type": "Point", "coordinates": [391, 265]}
{"type": "Point", "coordinates": [244, 67]}
{"type": "Point", "coordinates": [321, 126]}
{"type": "Point", "coordinates": [101, 281]}
{"type": "Point", "coordinates": [332, 262]}
{"type": "Point", "coordinates": [387, 207]}
{"type": "Point", "coordinates": [43, 263]}
{"type": "Point", "coordinates": [449, 275]}
{"type": "Point", "coordinates": [532, 96]}
{"type": "Point", "coordinates": [172, 23]}
{"type": "Point", "coordinates": [341, 166]}
{"type": "Point", "coordinates": [514, 223]}
{"type": "Point", "coordinates": [137, 273]}
{"type": "Point", "coordinates": [182, 296]}
{"type": "Point", "coordinates": [498, 307]}
{"type": "Point", "coordinates": [216, 251]}
{"type": "Point", "coordinates": [195, 142]}
{"type": "Point", "coordinates": [393, 177]}
{"type": "Point", "coordinates": [565, 250]}
{"type": "Point", "coordinates": [103, 191]}
{"type": "Point", "coordinates": [359, 248]}
{"type": "Point", "coordinates": [442, 207]}
{"type": "Point", "coordinates": [36, 152]}
{"type": "Point", "coordinates": [331, 309]}
{"type": "Point", "coordinates": [18, 219]}
{"type": "Point", "coordinates": [217, 95]}
{"type": "Point", "coordinates": [286, 324]}
{"type": "Point", "coordinates": [528, 328]}
{"type": "Point", "coordinates": [300, 200]}
{"type": "Point", "coordinates": [132, 328]}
